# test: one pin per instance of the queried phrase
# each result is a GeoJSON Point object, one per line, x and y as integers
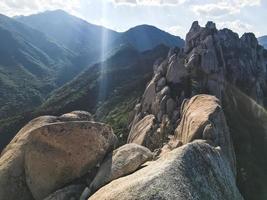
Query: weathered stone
{"type": "Point", "coordinates": [170, 106]}
{"type": "Point", "coordinates": [144, 133]}
{"type": "Point", "coordinates": [155, 106]}
{"type": "Point", "coordinates": [77, 116]}
{"type": "Point", "coordinates": [162, 69]}
{"type": "Point", "coordinates": [193, 33]}
{"type": "Point", "coordinates": [163, 104]}
{"type": "Point", "coordinates": [161, 83]}
{"type": "Point", "coordinates": [164, 92]}
{"type": "Point", "coordinates": [48, 153]}
{"type": "Point", "coordinates": [172, 144]}
{"type": "Point", "coordinates": [72, 192]}
{"type": "Point", "coordinates": [12, 173]}
{"type": "Point", "coordinates": [165, 127]}
{"type": "Point", "coordinates": [194, 171]}
{"type": "Point", "coordinates": [203, 118]}
{"type": "Point", "coordinates": [176, 71]}
{"type": "Point", "coordinates": [149, 96]}
{"type": "Point", "coordinates": [156, 65]}
{"type": "Point", "coordinates": [125, 160]}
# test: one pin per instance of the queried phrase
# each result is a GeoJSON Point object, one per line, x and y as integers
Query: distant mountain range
{"type": "Point", "coordinates": [197, 114]}
{"type": "Point", "coordinates": [41, 52]}
{"type": "Point", "coordinates": [89, 39]}
{"type": "Point", "coordinates": [31, 66]}
{"type": "Point", "coordinates": [263, 41]}
{"type": "Point", "coordinates": [109, 89]}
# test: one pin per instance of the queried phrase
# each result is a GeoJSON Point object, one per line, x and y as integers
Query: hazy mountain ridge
{"type": "Point", "coordinates": [200, 122]}
{"type": "Point", "coordinates": [145, 37]}
{"type": "Point", "coordinates": [88, 39]}
{"type": "Point", "coordinates": [122, 80]}
{"type": "Point", "coordinates": [43, 51]}
{"type": "Point", "coordinates": [31, 66]}
{"type": "Point", "coordinates": [263, 41]}
{"type": "Point", "coordinates": [76, 34]}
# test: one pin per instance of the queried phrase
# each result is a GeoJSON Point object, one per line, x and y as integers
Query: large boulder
{"type": "Point", "coordinates": [194, 171]}
{"type": "Point", "coordinates": [149, 96]}
{"type": "Point", "coordinates": [77, 115]}
{"type": "Point", "coordinates": [145, 133]}
{"type": "Point", "coordinates": [50, 152]}
{"type": "Point", "coordinates": [203, 118]}
{"type": "Point", "coordinates": [125, 160]}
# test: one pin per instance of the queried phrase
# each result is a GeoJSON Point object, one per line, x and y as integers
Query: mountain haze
{"type": "Point", "coordinates": [145, 37]}
{"type": "Point", "coordinates": [89, 39]}
{"type": "Point", "coordinates": [190, 123]}
{"type": "Point", "coordinates": [263, 41]}
{"type": "Point", "coordinates": [109, 89]}
{"type": "Point", "coordinates": [76, 34]}
{"type": "Point", "coordinates": [43, 51]}
{"type": "Point", "coordinates": [31, 66]}
{"type": "Point", "coordinates": [89, 113]}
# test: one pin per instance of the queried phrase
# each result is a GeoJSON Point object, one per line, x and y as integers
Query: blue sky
{"type": "Point", "coordinates": [174, 16]}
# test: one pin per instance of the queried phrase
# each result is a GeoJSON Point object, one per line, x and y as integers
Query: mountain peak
{"type": "Point", "coordinates": [143, 26]}
{"type": "Point", "coordinates": [145, 37]}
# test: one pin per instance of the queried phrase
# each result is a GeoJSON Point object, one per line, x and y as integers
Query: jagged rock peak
{"type": "Point", "coordinates": [195, 26]}
{"type": "Point", "coordinates": [211, 25]}
{"type": "Point", "coordinates": [250, 39]}
{"type": "Point", "coordinates": [213, 62]}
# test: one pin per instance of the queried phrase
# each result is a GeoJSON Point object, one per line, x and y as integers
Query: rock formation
{"type": "Point", "coordinates": [202, 118]}
{"type": "Point", "coordinates": [65, 157]}
{"type": "Point", "coordinates": [49, 153]}
{"type": "Point", "coordinates": [233, 69]}
{"type": "Point", "coordinates": [199, 126]}
{"type": "Point", "coordinates": [194, 171]}
{"type": "Point", "coordinates": [123, 161]}
{"type": "Point", "coordinates": [202, 169]}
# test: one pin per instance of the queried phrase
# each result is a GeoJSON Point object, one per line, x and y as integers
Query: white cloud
{"type": "Point", "coordinates": [177, 30]}
{"type": "Point", "coordinates": [243, 3]}
{"type": "Point", "coordinates": [214, 10]}
{"type": "Point", "coordinates": [225, 7]}
{"type": "Point", "coordinates": [237, 26]}
{"type": "Point", "coordinates": [25, 7]}
{"type": "Point", "coordinates": [150, 2]}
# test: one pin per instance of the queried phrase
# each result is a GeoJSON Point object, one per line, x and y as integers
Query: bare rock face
{"type": "Point", "coordinates": [48, 153]}
{"type": "Point", "coordinates": [145, 133]}
{"type": "Point", "coordinates": [202, 118]}
{"type": "Point", "coordinates": [231, 68]}
{"type": "Point", "coordinates": [149, 96]}
{"type": "Point", "coordinates": [234, 70]}
{"type": "Point", "coordinates": [197, 163]}
{"type": "Point", "coordinates": [124, 160]}
{"type": "Point", "coordinates": [72, 192]}
{"type": "Point", "coordinates": [176, 71]}
{"type": "Point", "coordinates": [194, 171]}
{"type": "Point", "coordinates": [77, 115]}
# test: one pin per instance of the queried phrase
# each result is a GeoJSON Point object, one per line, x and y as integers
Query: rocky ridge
{"type": "Point", "coordinates": [219, 63]}
{"type": "Point", "coordinates": [198, 132]}
{"type": "Point", "coordinates": [211, 62]}
{"type": "Point", "coordinates": [202, 168]}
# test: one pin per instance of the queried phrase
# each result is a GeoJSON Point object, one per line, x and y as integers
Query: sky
{"type": "Point", "coordinates": [174, 16]}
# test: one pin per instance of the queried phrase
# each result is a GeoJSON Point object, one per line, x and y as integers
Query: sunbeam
{"type": "Point", "coordinates": [103, 51]}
